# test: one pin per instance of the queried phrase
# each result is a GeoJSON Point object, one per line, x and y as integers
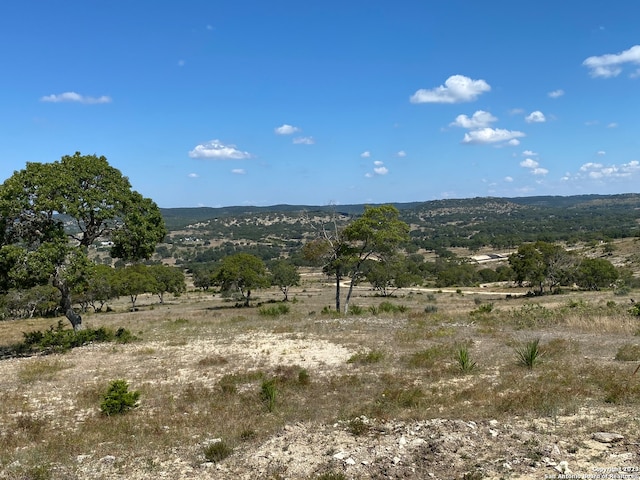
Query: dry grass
{"type": "Point", "coordinates": [201, 365]}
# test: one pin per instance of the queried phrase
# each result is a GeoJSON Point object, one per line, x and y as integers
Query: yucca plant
{"type": "Point", "coordinates": [464, 359]}
{"type": "Point", "coordinates": [529, 353]}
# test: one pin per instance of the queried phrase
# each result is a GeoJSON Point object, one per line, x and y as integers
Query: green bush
{"type": "Point", "coordinates": [373, 356]}
{"type": "Point", "coordinates": [464, 359]}
{"type": "Point", "coordinates": [529, 353]}
{"type": "Point", "coordinates": [217, 451]}
{"type": "Point", "coordinates": [118, 399]}
{"type": "Point", "coordinates": [59, 339]}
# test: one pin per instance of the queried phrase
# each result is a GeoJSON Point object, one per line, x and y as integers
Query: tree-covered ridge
{"type": "Point", "coordinates": [471, 223]}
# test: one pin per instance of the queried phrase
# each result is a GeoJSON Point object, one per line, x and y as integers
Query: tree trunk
{"type": "Point", "coordinates": [65, 303]}
{"type": "Point", "coordinates": [338, 290]}
{"type": "Point", "coordinates": [246, 300]}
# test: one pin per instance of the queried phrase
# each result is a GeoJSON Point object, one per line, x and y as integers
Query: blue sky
{"type": "Point", "coordinates": [254, 102]}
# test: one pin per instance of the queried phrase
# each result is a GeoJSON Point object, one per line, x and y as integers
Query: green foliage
{"type": "Point", "coordinates": [431, 309]}
{"type": "Point", "coordinates": [166, 279]}
{"type": "Point", "coordinates": [372, 356]}
{"type": "Point", "coordinates": [269, 393]}
{"type": "Point", "coordinates": [529, 353]}
{"type": "Point", "coordinates": [331, 476]}
{"type": "Point", "coordinates": [217, 451]}
{"type": "Point", "coordinates": [426, 358]}
{"type": "Point", "coordinates": [596, 273]}
{"type": "Point", "coordinates": [118, 399]}
{"type": "Point", "coordinates": [464, 359]}
{"type": "Point", "coordinates": [483, 308]}
{"type": "Point", "coordinates": [58, 339]}
{"type": "Point", "coordinates": [242, 272]}
{"type": "Point", "coordinates": [284, 275]}
{"type": "Point", "coordinates": [388, 307]}
{"type": "Point", "coordinates": [87, 193]}
{"type": "Point", "coordinates": [274, 310]}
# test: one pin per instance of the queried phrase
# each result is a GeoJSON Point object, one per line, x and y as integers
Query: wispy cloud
{"type": "Point", "coordinates": [304, 141]}
{"type": "Point", "coordinates": [556, 93]}
{"type": "Point", "coordinates": [598, 171]}
{"type": "Point", "coordinates": [491, 135]}
{"type": "Point", "coordinates": [216, 150]}
{"type": "Point", "coordinates": [365, 154]}
{"type": "Point", "coordinates": [286, 129]}
{"type": "Point", "coordinates": [610, 65]}
{"type": "Point", "coordinates": [401, 154]}
{"type": "Point", "coordinates": [479, 119]}
{"type": "Point", "coordinates": [529, 153]}
{"type": "Point", "coordinates": [75, 98]}
{"type": "Point", "coordinates": [535, 117]}
{"type": "Point", "coordinates": [456, 89]}
{"type": "Point", "coordinates": [193, 175]}
{"type": "Point", "coordinates": [239, 171]}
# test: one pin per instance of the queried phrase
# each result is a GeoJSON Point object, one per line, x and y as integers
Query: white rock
{"type": "Point", "coordinates": [396, 460]}
{"type": "Point", "coordinates": [341, 455]}
{"type": "Point", "coordinates": [563, 467]}
{"type": "Point", "coordinates": [350, 461]}
{"type": "Point", "coordinates": [606, 437]}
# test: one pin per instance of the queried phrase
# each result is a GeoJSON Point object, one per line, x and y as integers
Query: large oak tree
{"type": "Point", "coordinates": [50, 213]}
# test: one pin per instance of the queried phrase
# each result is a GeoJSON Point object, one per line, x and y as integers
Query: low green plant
{"type": "Point", "coordinates": [303, 377]}
{"type": "Point", "coordinates": [274, 310]}
{"type": "Point", "coordinates": [372, 356]}
{"type": "Point", "coordinates": [331, 476]}
{"type": "Point", "coordinates": [217, 451]}
{"type": "Point", "coordinates": [356, 310]}
{"type": "Point", "coordinates": [529, 353]}
{"type": "Point", "coordinates": [357, 426]}
{"type": "Point", "coordinates": [59, 339]}
{"type": "Point", "coordinates": [118, 399]}
{"type": "Point", "coordinates": [269, 394]}
{"type": "Point", "coordinates": [431, 309]}
{"type": "Point", "coordinates": [483, 308]}
{"type": "Point", "coordinates": [464, 359]}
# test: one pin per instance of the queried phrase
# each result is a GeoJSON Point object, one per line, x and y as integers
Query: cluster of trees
{"type": "Point", "coordinates": [243, 273]}
{"type": "Point", "coordinates": [547, 266]}
{"type": "Point", "coordinates": [97, 285]}
{"type": "Point", "coordinates": [50, 214]}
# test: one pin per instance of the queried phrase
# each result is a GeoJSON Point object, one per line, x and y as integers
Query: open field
{"type": "Point", "coordinates": [384, 392]}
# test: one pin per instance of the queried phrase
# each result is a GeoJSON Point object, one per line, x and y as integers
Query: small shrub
{"type": "Point", "coordinates": [431, 309]}
{"type": "Point", "coordinates": [529, 353]}
{"type": "Point", "coordinates": [425, 358]}
{"type": "Point", "coordinates": [326, 310]}
{"type": "Point", "coordinates": [356, 310]}
{"type": "Point", "coordinates": [217, 451]}
{"type": "Point", "coordinates": [373, 356]}
{"type": "Point", "coordinates": [464, 359]}
{"type": "Point", "coordinates": [303, 377]}
{"type": "Point", "coordinates": [118, 399]}
{"type": "Point", "coordinates": [483, 308]}
{"type": "Point", "coordinates": [357, 426]}
{"type": "Point", "coordinates": [331, 476]}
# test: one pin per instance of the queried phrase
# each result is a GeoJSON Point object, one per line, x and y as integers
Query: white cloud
{"type": "Point", "coordinates": [479, 119]}
{"type": "Point", "coordinates": [612, 125]}
{"type": "Point", "coordinates": [529, 163]}
{"type": "Point", "coordinates": [193, 175]}
{"type": "Point", "coordinates": [75, 97]}
{"type": "Point", "coordinates": [514, 142]}
{"type": "Point", "coordinates": [216, 150]}
{"type": "Point", "coordinates": [181, 63]}
{"type": "Point", "coordinates": [209, 27]}
{"type": "Point", "coordinates": [539, 171]}
{"type": "Point", "coordinates": [535, 117]}
{"type": "Point", "coordinates": [238, 171]}
{"type": "Point", "coordinates": [304, 141]}
{"type": "Point", "coordinates": [601, 152]}
{"type": "Point", "coordinates": [508, 179]}
{"type": "Point", "coordinates": [490, 135]}
{"type": "Point", "coordinates": [401, 154]}
{"type": "Point", "coordinates": [610, 65]}
{"type": "Point", "coordinates": [598, 171]}
{"type": "Point", "coordinates": [556, 93]}
{"type": "Point", "coordinates": [456, 89]}
{"type": "Point", "coordinates": [286, 129]}
{"type": "Point", "coordinates": [516, 111]}
{"type": "Point", "coordinates": [529, 153]}
{"type": "Point", "coordinates": [366, 154]}
{"type": "Point", "coordinates": [378, 169]}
